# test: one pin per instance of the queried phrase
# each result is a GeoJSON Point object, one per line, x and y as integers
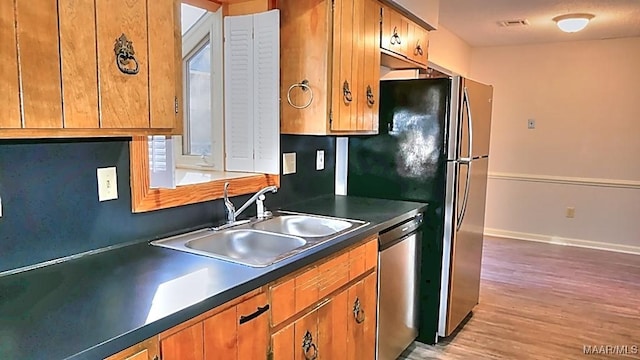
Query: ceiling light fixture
{"type": "Point", "coordinates": [571, 23]}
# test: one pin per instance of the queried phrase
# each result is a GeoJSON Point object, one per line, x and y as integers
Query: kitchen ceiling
{"type": "Point", "coordinates": [476, 21]}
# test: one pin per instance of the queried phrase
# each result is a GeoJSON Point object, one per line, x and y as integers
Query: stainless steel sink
{"type": "Point", "coordinates": [246, 246]}
{"type": "Point", "coordinates": [303, 225]}
{"type": "Point", "coordinates": [260, 243]}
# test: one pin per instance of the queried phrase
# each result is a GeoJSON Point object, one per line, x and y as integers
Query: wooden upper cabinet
{"type": "Point", "coordinates": [90, 68]}
{"type": "Point", "coordinates": [9, 86]}
{"type": "Point", "coordinates": [403, 37]}
{"type": "Point", "coordinates": [332, 59]}
{"type": "Point", "coordinates": [418, 44]}
{"type": "Point", "coordinates": [39, 59]}
{"type": "Point", "coordinates": [395, 30]}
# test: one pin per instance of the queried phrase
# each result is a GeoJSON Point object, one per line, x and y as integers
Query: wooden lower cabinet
{"type": "Point", "coordinates": [361, 323]}
{"type": "Point", "coordinates": [342, 327]}
{"type": "Point", "coordinates": [237, 332]}
{"type": "Point", "coordinates": [324, 312]}
{"type": "Point", "coordinates": [146, 350]}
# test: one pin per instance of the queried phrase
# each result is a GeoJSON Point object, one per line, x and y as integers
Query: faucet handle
{"type": "Point", "coordinates": [231, 210]}
{"type": "Point", "coordinates": [260, 209]}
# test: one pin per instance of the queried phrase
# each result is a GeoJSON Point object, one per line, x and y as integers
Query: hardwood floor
{"type": "Point", "coordinates": [542, 301]}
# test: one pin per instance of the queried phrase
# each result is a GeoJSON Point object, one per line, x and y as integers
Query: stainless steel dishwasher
{"type": "Point", "coordinates": [398, 288]}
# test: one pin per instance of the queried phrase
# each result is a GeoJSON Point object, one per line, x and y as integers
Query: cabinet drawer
{"type": "Point", "coordinates": [294, 294]}
{"type": "Point", "coordinates": [394, 31]}
{"type": "Point", "coordinates": [418, 44]}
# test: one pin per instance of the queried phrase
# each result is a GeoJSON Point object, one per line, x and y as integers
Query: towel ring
{"type": "Point", "coordinates": [305, 86]}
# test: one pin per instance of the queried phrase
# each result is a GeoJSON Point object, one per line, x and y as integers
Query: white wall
{"type": "Point", "coordinates": [584, 152]}
{"type": "Point", "coordinates": [448, 51]}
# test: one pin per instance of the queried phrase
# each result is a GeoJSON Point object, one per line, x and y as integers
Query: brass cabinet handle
{"type": "Point", "coordinates": [418, 50]}
{"type": "Point", "coordinates": [308, 345]}
{"type": "Point", "coordinates": [370, 98]}
{"type": "Point", "coordinates": [358, 313]}
{"type": "Point", "coordinates": [346, 92]}
{"type": "Point", "coordinates": [123, 49]}
{"type": "Point", "coordinates": [395, 38]}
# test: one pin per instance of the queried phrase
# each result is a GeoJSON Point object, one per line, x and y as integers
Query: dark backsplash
{"type": "Point", "coordinates": [50, 202]}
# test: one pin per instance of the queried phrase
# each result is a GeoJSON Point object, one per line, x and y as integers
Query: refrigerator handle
{"type": "Point", "coordinates": [466, 161]}
{"type": "Point", "coordinates": [463, 211]}
{"type": "Point", "coordinates": [465, 100]}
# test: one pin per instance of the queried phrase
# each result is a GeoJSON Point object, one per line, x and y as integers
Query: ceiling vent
{"type": "Point", "coordinates": [513, 23]}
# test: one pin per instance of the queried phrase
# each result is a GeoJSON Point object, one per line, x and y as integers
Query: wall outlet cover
{"type": "Point", "coordinates": [320, 160]}
{"type": "Point", "coordinates": [107, 184]}
{"type": "Point", "coordinates": [531, 124]}
{"type": "Point", "coordinates": [288, 163]}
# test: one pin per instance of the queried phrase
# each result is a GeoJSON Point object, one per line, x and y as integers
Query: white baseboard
{"type": "Point", "coordinates": [557, 240]}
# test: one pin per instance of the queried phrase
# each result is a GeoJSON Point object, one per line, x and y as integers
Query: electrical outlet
{"type": "Point", "coordinates": [107, 184]}
{"type": "Point", "coordinates": [288, 163]}
{"type": "Point", "coordinates": [571, 212]}
{"type": "Point", "coordinates": [531, 124]}
{"type": "Point", "coordinates": [320, 160]}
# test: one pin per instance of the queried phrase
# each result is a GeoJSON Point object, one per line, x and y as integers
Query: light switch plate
{"type": "Point", "coordinates": [320, 160]}
{"type": "Point", "coordinates": [288, 163]}
{"type": "Point", "coordinates": [107, 184]}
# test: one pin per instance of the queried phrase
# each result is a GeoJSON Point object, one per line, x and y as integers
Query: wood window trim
{"type": "Point", "coordinates": [144, 198]}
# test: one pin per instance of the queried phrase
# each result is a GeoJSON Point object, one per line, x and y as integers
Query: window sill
{"type": "Point", "coordinates": [190, 175]}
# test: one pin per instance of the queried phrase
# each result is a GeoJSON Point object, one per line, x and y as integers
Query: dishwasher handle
{"type": "Point", "coordinates": [396, 233]}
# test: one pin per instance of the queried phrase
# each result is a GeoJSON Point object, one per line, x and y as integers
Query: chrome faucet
{"type": "Point", "coordinates": [258, 198]}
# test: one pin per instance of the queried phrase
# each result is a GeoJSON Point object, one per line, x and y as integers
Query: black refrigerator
{"type": "Point", "coordinates": [432, 147]}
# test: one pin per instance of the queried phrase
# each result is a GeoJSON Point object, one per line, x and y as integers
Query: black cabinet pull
{"type": "Point", "coordinates": [260, 311]}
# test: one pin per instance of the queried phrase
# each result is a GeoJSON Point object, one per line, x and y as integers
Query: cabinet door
{"type": "Point", "coordinates": [78, 56]}
{"type": "Point", "coordinates": [124, 88]}
{"type": "Point", "coordinates": [298, 341]}
{"type": "Point", "coordinates": [344, 87]}
{"type": "Point", "coordinates": [165, 69]}
{"type": "Point", "coordinates": [418, 44]}
{"type": "Point", "coordinates": [332, 328]}
{"type": "Point", "coordinates": [361, 323]}
{"type": "Point", "coordinates": [253, 328]}
{"type": "Point", "coordinates": [37, 27]}
{"type": "Point", "coordinates": [304, 45]}
{"type": "Point", "coordinates": [220, 337]}
{"type": "Point", "coordinates": [186, 344]}
{"type": "Point", "coordinates": [9, 89]}
{"type": "Point", "coordinates": [394, 31]}
{"type": "Point", "coordinates": [146, 350]}
{"type": "Point", "coordinates": [370, 86]}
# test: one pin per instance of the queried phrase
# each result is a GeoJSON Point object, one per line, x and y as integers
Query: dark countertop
{"type": "Point", "coordinates": [97, 305]}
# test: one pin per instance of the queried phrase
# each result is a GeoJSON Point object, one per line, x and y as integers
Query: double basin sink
{"type": "Point", "coordinates": [261, 243]}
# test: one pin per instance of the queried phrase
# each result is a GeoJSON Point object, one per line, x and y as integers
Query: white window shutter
{"type": "Point", "coordinates": [266, 112]}
{"type": "Point", "coordinates": [161, 162]}
{"type": "Point", "coordinates": [238, 92]}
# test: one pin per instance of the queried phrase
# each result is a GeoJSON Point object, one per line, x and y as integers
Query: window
{"type": "Point", "coordinates": [190, 15]}
{"type": "Point", "coordinates": [198, 83]}
{"type": "Point", "coordinates": [248, 123]}
{"type": "Point", "coordinates": [201, 146]}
